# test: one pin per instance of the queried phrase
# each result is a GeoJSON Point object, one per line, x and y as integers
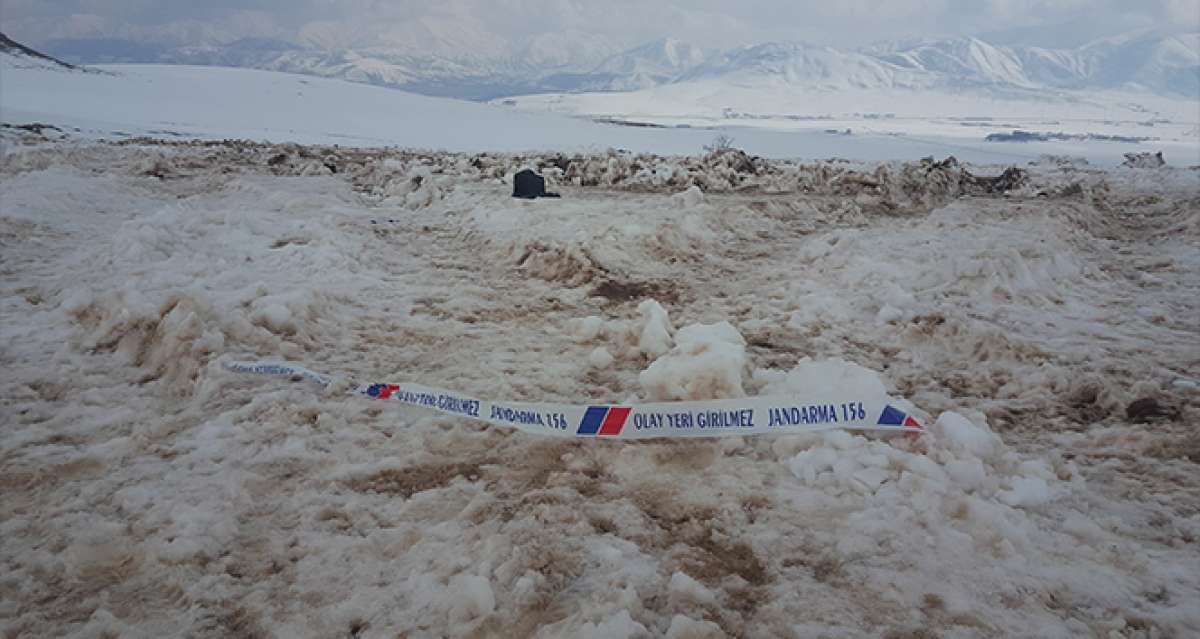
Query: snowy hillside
{"type": "Point", "coordinates": [653, 63]}
{"type": "Point", "coordinates": [182, 101]}
{"type": "Point", "coordinates": [14, 55]}
{"type": "Point", "coordinates": [1158, 64]}
{"type": "Point", "coordinates": [806, 66]}
{"type": "Point", "coordinates": [170, 101]}
{"type": "Point", "coordinates": [967, 61]}
{"type": "Point", "coordinates": [550, 62]}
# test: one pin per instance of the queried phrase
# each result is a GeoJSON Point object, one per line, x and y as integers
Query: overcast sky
{"type": "Point", "coordinates": [493, 26]}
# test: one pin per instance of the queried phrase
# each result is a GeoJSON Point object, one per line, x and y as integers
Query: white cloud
{"type": "Point", "coordinates": [492, 27]}
{"type": "Point", "coordinates": [1183, 11]}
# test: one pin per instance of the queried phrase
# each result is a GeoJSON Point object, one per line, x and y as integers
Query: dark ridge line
{"type": "Point", "coordinates": [12, 46]}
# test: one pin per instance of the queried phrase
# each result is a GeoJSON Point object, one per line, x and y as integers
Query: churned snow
{"type": "Point", "coordinates": [150, 492]}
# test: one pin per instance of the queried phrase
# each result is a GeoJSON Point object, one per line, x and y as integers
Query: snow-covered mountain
{"type": "Point", "coordinates": [1160, 64]}
{"type": "Point", "coordinates": [651, 64]}
{"type": "Point", "coordinates": [1164, 64]}
{"type": "Point", "coordinates": [463, 77]}
{"type": "Point", "coordinates": [1141, 86]}
{"type": "Point", "coordinates": [802, 64]}
{"type": "Point", "coordinates": [542, 64]}
{"type": "Point", "coordinates": [964, 61]}
{"type": "Point", "coordinates": [1167, 64]}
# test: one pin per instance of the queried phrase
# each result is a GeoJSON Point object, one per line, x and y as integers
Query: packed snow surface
{"type": "Point", "coordinates": [1041, 321]}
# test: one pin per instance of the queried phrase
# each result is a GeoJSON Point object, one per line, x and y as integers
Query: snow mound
{"type": "Point", "coordinates": [636, 239]}
{"type": "Point", "coordinates": [959, 486]}
{"type": "Point", "coordinates": [691, 197]}
{"type": "Point", "coordinates": [586, 329]}
{"type": "Point", "coordinates": [954, 493]}
{"type": "Point", "coordinates": [1144, 160]}
{"type": "Point", "coordinates": [175, 294]}
{"type": "Point", "coordinates": [171, 341]}
{"type": "Point", "coordinates": [707, 362]}
{"type": "Point", "coordinates": [600, 358]}
{"type": "Point", "coordinates": [654, 336]}
{"type": "Point", "coordinates": [683, 627]}
{"type": "Point", "coordinates": [956, 432]}
{"type": "Point", "coordinates": [14, 55]}
{"type": "Point", "coordinates": [412, 185]}
{"type": "Point", "coordinates": [472, 596]}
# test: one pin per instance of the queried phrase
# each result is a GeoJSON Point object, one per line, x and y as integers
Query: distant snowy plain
{"type": "Point", "coordinates": [927, 121]}
{"type": "Point", "coordinates": [178, 101]}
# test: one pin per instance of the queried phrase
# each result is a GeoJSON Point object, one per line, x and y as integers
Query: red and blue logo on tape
{"type": "Point", "coordinates": [603, 420]}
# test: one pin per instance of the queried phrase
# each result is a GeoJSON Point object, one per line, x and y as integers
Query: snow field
{"type": "Point", "coordinates": [185, 102]}
{"type": "Point", "coordinates": [149, 492]}
{"type": "Point", "coordinates": [929, 119]}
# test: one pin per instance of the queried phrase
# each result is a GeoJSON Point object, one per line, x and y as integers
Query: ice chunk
{"type": "Point", "coordinates": [102, 624]}
{"type": "Point", "coordinates": [842, 440]}
{"type": "Point", "coordinates": [967, 474]}
{"type": "Point", "coordinates": [814, 378]}
{"type": "Point", "coordinates": [707, 333]}
{"type": "Point", "coordinates": [683, 627]}
{"type": "Point", "coordinates": [655, 338]}
{"type": "Point", "coordinates": [925, 467]}
{"type": "Point", "coordinates": [1027, 491]}
{"type": "Point", "coordinates": [888, 313]}
{"type": "Point", "coordinates": [807, 465]}
{"type": "Point", "coordinates": [585, 329]}
{"type": "Point", "coordinates": [869, 479]}
{"type": "Point", "coordinates": [707, 363]}
{"type": "Point", "coordinates": [683, 588]}
{"type": "Point", "coordinates": [275, 317]}
{"type": "Point", "coordinates": [959, 433]}
{"type": "Point", "coordinates": [689, 198]}
{"type": "Point", "coordinates": [600, 358]}
{"type": "Point", "coordinates": [472, 597]}
{"type": "Point", "coordinates": [1079, 525]}
{"type": "Point", "coordinates": [619, 626]}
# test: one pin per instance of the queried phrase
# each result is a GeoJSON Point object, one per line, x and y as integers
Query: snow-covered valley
{"type": "Point", "coordinates": [1043, 324]}
{"type": "Point", "coordinates": [178, 102]}
{"type": "Point", "coordinates": [1098, 125]}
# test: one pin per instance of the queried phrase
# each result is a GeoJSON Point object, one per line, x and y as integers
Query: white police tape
{"type": "Point", "coordinates": [707, 418]}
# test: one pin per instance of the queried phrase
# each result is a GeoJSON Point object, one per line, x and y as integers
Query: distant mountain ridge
{"type": "Point", "coordinates": [1164, 64]}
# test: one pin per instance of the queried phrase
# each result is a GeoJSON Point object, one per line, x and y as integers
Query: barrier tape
{"type": "Point", "coordinates": [707, 418]}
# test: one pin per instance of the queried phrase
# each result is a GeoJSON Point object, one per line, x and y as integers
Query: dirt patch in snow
{"type": "Point", "coordinates": [414, 479]}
